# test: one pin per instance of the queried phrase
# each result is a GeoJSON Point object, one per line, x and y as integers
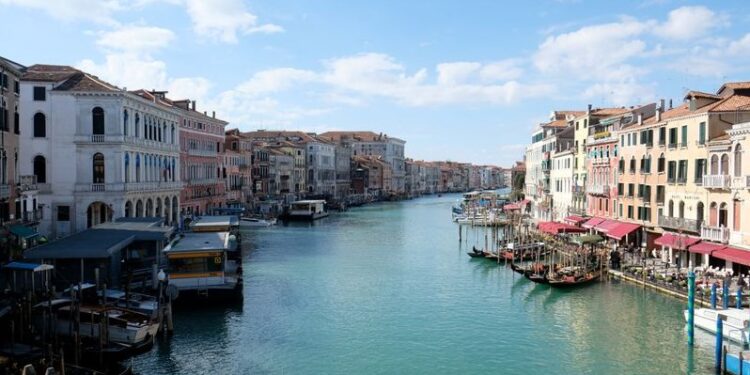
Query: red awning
{"type": "Point", "coordinates": [511, 207]}
{"type": "Point", "coordinates": [733, 255]}
{"type": "Point", "coordinates": [553, 227]}
{"type": "Point", "coordinates": [675, 241]}
{"type": "Point", "coordinates": [575, 219]}
{"type": "Point", "coordinates": [705, 247]}
{"type": "Point", "coordinates": [524, 202]}
{"type": "Point", "coordinates": [622, 230]}
{"type": "Point", "coordinates": [606, 225]}
{"type": "Point", "coordinates": [592, 222]}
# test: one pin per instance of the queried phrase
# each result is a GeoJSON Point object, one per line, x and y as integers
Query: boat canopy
{"type": "Point", "coordinates": [590, 239]}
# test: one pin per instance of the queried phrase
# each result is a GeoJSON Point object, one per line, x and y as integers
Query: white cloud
{"type": "Point", "coordinates": [688, 22]}
{"type": "Point", "coordinates": [456, 72]}
{"type": "Point", "coordinates": [274, 80]}
{"type": "Point", "coordinates": [97, 11]}
{"type": "Point", "coordinates": [501, 71]}
{"type": "Point", "coordinates": [740, 46]}
{"type": "Point", "coordinates": [136, 38]}
{"type": "Point", "coordinates": [224, 19]}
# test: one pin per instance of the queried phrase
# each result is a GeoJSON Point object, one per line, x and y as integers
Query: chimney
{"type": "Point", "coordinates": [588, 111]}
{"type": "Point", "coordinates": [658, 114]}
{"type": "Point", "coordinates": [693, 104]}
{"type": "Point", "coordinates": [661, 104]}
{"type": "Point", "coordinates": [640, 119]}
{"type": "Point", "coordinates": [670, 103]}
{"type": "Point", "coordinates": [213, 114]}
{"type": "Point", "coordinates": [193, 105]}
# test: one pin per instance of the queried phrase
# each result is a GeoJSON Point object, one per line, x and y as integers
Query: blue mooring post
{"type": "Point", "coordinates": [719, 341]}
{"type": "Point", "coordinates": [725, 294]}
{"type": "Point", "coordinates": [713, 296]}
{"type": "Point", "coordinates": [738, 302]}
{"type": "Point", "coordinates": [691, 307]}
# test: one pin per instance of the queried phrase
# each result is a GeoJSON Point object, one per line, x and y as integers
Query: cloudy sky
{"type": "Point", "coordinates": [459, 80]}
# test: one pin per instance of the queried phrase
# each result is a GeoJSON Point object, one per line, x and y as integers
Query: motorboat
{"type": "Point", "coordinates": [123, 326]}
{"type": "Point", "coordinates": [253, 222]}
{"type": "Point", "coordinates": [735, 326]}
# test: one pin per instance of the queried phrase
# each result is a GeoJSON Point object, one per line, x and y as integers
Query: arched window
{"type": "Point", "coordinates": [125, 122]}
{"type": "Point", "coordinates": [138, 168]}
{"type": "Point", "coordinates": [738, 161]}
{"type": "Point", "coordinates": [137, 125]}
{"type": "Point", "coordinates": [682, 210]}
{"type": "Point", "coordinates": [127, 167]}
{"type": "Point", "coordinates": [97, 120]}
{"type": "Point", "coordinates": [737, 208]}
{"type": "Point", "coordinates": [40, 169]}
{"type": "Point", "coordinates": [171, 137]}
{"type": "Point", "coordinates": [622, 165]}
{"type": "Point", "coordinates": [724, 164]}
{"type": "Point", "coordinates": [699, 213]}
{"type": "Point", "coordinates": [671, 208]}
{"type": "Point", "coordinates": [723, 215]}
{"type": "Point", "coordinates": [713, 214]}
{"type": "Point", "coordinates": [648, 163]}
{"type": "Point", "coordinates": [715, 165]}
{"type": "Point", "coordinates": [40, 125]}
{"type": "Point", "coordinates": [632, 164]}
{"type": "Point", "coordinates": [98, 168]}
{"type": "Point", "coordinates": [661, 163]}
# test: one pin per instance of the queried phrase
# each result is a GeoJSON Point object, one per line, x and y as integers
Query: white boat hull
{"type": "Point", "coordinates": [257, 224]}
{"type": "Point", "coordinates": [130, 335]}
{"type": "Point", "coordinates": [735, 327]}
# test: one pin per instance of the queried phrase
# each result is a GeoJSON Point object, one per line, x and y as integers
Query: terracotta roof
{"type": "Point", "coordinates": [609, 111]}
{"type": "Point", "coordinates": [701, 94]}
{"type": "Point", "coordinates": [732, 103]}
{"type": "Point", "coordinates": [83, 82]}
{"type": "Point", "coordinates": [731, 86]}
{"type": "Point", "coordinates": [556, 124]}
{"type": "Point", "coordinates": [276, 135]}
{"type": "Point", "coordinates": [363, 136]}
{"type": "Point", "coordinates": [49, 73]}
{"type": "Point", "coordinates": [678, 111]}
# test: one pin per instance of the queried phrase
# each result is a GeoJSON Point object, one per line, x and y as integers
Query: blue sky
{"type": "Point", "coordinates": [458, 80]}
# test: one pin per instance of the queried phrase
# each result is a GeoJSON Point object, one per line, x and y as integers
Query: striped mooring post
{"type": "Point", "coordinates": [713, 296]}
{"type": "Point", "coordinates": [725, 294]}
{"type": "Point", "coordinates": [691, 308]}
{"type": "Point", "coordinates": [719, 341]}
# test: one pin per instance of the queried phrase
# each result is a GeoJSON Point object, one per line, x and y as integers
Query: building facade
{"type": "Point", "coordinates": [97, 151]}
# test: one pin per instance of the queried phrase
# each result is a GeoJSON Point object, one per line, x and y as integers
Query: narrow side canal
{"type": "Point", "coordinates": [386, 289]}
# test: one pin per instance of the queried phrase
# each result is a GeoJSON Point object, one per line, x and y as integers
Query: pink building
{"type": "Point", "coordinates": [202, 159]}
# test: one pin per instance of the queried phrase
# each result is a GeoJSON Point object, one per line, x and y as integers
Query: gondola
{"type": "Point", "coordinates": [476, 253]}
{"type": "Point", "coordinates": [538, 278]}
{"type": "Point", "coordinates": [573, 281]}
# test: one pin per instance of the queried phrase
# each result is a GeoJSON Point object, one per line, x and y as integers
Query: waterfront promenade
{"type": "Point", "coordinates": [386, 289]}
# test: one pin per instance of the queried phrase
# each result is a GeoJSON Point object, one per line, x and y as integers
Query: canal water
{"type": "Point", "coordinates": [387, 289]}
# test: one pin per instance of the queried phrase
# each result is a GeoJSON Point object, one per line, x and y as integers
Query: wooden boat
{"type": "Point", "coordinates": [476, 253]}
{"type": "Point", "coordinates": [566, 280]}
{"type": "Point", "coordinates": [124, 326]}
{"type": "Point", "coordinates": [253, 222]}
{"type": "Point", "coordinates": [538, 278]}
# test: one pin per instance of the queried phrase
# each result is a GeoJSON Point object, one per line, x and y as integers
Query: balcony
{"type": "Point", "coordinates": [716, 181]}
{"type": "Point", "coordinates": [128, 186]}
{"type": "Point", "coordinates": [4, 191]}
{"type": "Point", "coordinates": [716, 234]}
{"type": "Point", "coordinates": [600, 161]}
{"type": "Point", "coordinates": [27, 183]}
{"type": "Point", "coordinates": [97, 138]}
{"type": "Point", "coordinates": [676, 223]}
{"type": "Point", "coordinates": [598, 190]}
{"type": "Point", "coordinates": [742, 182]}
{"type": "Point", "coordinates": [31, 216]}
{"type": "Point", "coordinates": [198, 152]}
{"type": "Point", "coordinates": [119, 139]}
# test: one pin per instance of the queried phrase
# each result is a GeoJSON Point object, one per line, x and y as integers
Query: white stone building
{"type": "Point", "coordinates": [98, 152]}
{"type": "Point", "coordinates": [561, 180]}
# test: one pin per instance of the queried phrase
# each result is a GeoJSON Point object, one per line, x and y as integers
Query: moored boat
{"type": "Point", "coordinates": [123, 326]}
{"type": "Point", "coordinates": [572, 277]}
{"type": "Point", "coordinates": [736, 323]}
{"type": "Point", "coordinates": [254, 222]}
{"type": "Point", "coordinates": [307, 210]}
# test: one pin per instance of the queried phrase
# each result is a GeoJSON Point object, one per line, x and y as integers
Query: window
{"type": "Point", "coordinates": [738, 161]}
{"type": "Point", "coordinates": [673, 137]}
{"type": "Point", "coordinates": [662, 136]}
{"type": "Point", "coordinates": [620, 189]}
{"type": "Point", "coordinates": [63, 213]}
{"type": "Point", "coordinates": [97, 121]}
{"type": "Point", "coordinates": [671, 171]}
{"type": "Point", "coordinates": [622, 165]}
{"type": "Point", "coordinates": [632, 164]}
{"type": "Point", "coordinates": [98, 168]}
{"type": "Point", "coordinates": [40, 125]}
{"type": "Point", "coordinates": [40, 169]}
{"type": "Point", "coordinates": [660, 164]}
{"type": "Point", "coordinates": [682, 171]}
{"type": "Point", "coordinates": [660, 194]}
{"type": "Point", "coordinates": [16, 123]}
{"type": "Point", "coordinates": [683, 142]}
{"type": "Point", "coordinates": [40, 94]}
{"type": "Point", "coordinates": [630, 212]}
{"type": "Point", "coordinates": [640, 190]}
{"type": "Point", "coordinates": [631, 187]}
{"type": "Point", "coordinates": [700, 170]}
{"type": "Point", "coordinates": [702, 133]}
{"type": "Point", "coordinates": [17, 88]}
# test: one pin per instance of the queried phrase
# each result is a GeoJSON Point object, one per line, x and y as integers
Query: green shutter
{"type": "Point", "coordinates": [702, 133]}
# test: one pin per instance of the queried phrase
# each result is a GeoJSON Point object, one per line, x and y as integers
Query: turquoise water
{"type": "Point", "coordinates": [387, 289]}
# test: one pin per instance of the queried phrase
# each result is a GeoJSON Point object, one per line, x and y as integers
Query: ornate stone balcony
{"type": "Point", "coordinates": [27, 183]}
{"type": "Point", "coordinates": [716, 234]}
{"type": "Point", "coordinates": [716, 181]}
{"type": "Point", "coordinates": [676, 223]}
{"type": "Point", "coordinates": [598, 190]}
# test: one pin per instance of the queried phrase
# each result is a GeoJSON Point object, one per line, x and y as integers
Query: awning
{"type": "Point", "coordinates": [704, 247]}
{"type": "Point", "coordinates": [23, 231]}
{"type": "Point", "coordinates": [583, 240]}
{"type": "Point", "coordinates": [606, 225]}
{"type": "Point", "coordinates": [622, 230]}
{"type": "Point", "coordinates": [675, 241]}
{"type": "Point", "coordinates": [511, 207]}
{"type": "Point", "coordinates": [34, 267]}
{"type": "Point", "coordinates": [553, 227]}
{"type": "Point", "coordinates": [575, 219]}
{"type": "Point", "coordinates": [592, 222]}
{"type": "Point", "coordinates": [733, 255]}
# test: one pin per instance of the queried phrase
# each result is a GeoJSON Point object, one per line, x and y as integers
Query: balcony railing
{"type": "Point", "coordinates": [716, 234]}
{"type": "Point", "coordinates": [97, 138]}
{"type": "Point", "coordinates": [716, 181]}
{"type": "Point", "coordinates": [198, 152]}
{"type": "Point", "coordinates": [677, 223]}
{"type": "Point", "coordinates": [98, 187]}
{"type": "Point", "coordinates": [128, 186]}
{"type": "Point", "coordinates": [742, 182]}
{"type": "Point", "coordinates": [31, 216]}
{"type": "Point", "coordinates": [27, 183]}
{"type": "Point", "coordinates": [4, 191]}
{"type": "Point", "coordinates": [598, 190]}
{"type": "Point", "coordinates": [137, 141]}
